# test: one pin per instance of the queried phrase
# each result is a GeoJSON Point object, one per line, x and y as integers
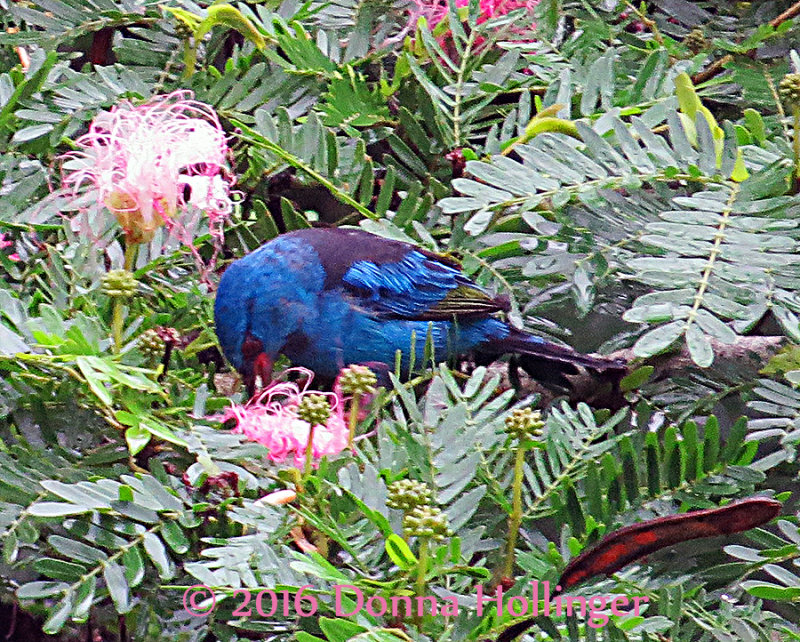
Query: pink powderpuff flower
{"type": "Point", "coordinates": [143, 159]}
{"type": "Point", "coordinates": [436, 10]}
{"type": "Point", "coordinates": [272, 420]}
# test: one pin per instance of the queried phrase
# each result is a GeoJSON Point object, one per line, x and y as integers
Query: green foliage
{"type": "Point", "coordinates": [591, 169]}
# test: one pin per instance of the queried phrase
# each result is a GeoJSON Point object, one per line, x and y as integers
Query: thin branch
{"type": "Point", "coordinates": [714, 69]}
{"type": "Point", "coordinates": [745, 352]}
{"type": "Point", "coordinates": [790, 13]}
{"type": "Point", "coordinates": [718, 66]}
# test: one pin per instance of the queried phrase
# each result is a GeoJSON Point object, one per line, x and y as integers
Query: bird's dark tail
{"type": "Point", "coordinates": [549, 363]}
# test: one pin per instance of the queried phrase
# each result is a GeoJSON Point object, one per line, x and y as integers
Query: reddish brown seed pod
{"type": "Point", "coordinates": [623, 546]}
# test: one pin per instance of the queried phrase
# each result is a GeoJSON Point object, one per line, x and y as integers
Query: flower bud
{"type": "Point", "coordinates": [406, 494]}
{"type": "Point", "coordinates": [789, 89]}
{"type": "Point", "coordinates": [524, 423]}
{"type": "Point", "coordinates": [119, 284]}
{"type": "Point", "coordinates": [314, 409]}
{"type": "Point", "coordinates": [183, 30]}
{"type": "Point", "coordinates": [151, 344]}
{"type": "Point", "coordinates": [696, 41]}
{"type": "Point", "coordinates": [357, 380]}
{"type": "Point", "coordinates": [426, 521]}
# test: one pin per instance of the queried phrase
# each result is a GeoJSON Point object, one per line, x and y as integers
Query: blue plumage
{"type": "Point", "coordinates": [328, 298]}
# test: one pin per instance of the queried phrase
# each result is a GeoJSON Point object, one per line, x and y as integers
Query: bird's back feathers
{"type": "Point", "coordinates": [392, 279]}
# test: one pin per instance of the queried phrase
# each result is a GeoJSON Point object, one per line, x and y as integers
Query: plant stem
{"type": "Point", "coordinates": [515, 519]}
{"type": "Point", "coordinates": [252, 136]}
{"type": "Point", "coordinates": [309, 452]}
{"type": "Point", "coordinates": [796, 145]}
{"type": "Point", "coordinates": [649, 23]}
{"type": "Point", "coordinates": [116, 325]}
{"type": "Point", "coordinates": [116, 319]}
{"type": "Point", "coordinates": [422, 572]}
{"type": "Point", "coordinates": [130, 255]}
{"type": "Point", "coordinates": [354, 408]}
{"type": "Point", "coordinates": [189, 59]}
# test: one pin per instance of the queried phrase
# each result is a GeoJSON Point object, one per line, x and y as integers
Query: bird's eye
{"type": "Point", "coordinates": [187, 193]}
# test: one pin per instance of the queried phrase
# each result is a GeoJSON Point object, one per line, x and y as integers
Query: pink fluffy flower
{"type": "Point", "coordinates": [141, 158]}
{"type": "Point", "coordinates": [272, 420]}
{"type": "Point", "coordinates": [436, 10]}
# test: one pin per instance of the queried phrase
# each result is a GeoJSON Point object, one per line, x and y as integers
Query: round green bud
{"type": "Point", "coordinates": [405, 494]}
{"type": "Point", "coordinates": [524, 423]}
{"type": "Point", "coordinates": [357, 380]}
{"type": "Point", "coordinates": [119, 284]}
{"type": "Point", "coordinates": [789, 89]}
{"type": "Point", "coordinates": [183, 30]}
{"type": "Point", "coordinates": [695, 40]}
{"type": "Point", "coordinates": [151, 344]}
{"type": "Point", "coordinates": [314, 409]}
{"type": "Point", "coordinates": [426, 521]}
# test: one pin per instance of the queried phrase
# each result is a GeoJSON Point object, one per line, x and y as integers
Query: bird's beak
{"type": "Point", "coordinates": [261, 371]}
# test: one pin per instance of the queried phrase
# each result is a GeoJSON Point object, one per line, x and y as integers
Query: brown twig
{"type": "Point", "coordinates": [790, 13]}
{"type": "Point", "coordinates": [749, 353]}
{"type": "Point", "coordinates": [718, 66]}
{"type": "Point", "coordinates": [714, 69]}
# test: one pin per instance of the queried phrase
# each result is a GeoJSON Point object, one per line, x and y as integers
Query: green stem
{"type": "Point", "coordinates": [466, 58]}
{"type": "Point", "coordinates": [716, 250]}
{"type": "Point", "coordinates": [354, 408]}
{"type": "Point", "coordinates": [796, 143]}
{"type": "Point", "coordinates": [116, 325]}
{"type": "Point", "coordinates": [189, 59]}
{"type": "Point", "coordinates": [117, 320]}
{"type": "Point", "coordinates": [515, 519]}
{"type": "Point", "coordinates": [422, 572]}
{"type": "Point", "coordinates": [130, 256]}
{"type": "Point", "coordinates": [252, 136]}
{"type": "Point", "coordinates": [309, 452]}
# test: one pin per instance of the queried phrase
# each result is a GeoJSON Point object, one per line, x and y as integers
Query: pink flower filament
{"type": "Point", "coordinates": [141, 158]}
{"type": "Point", "coordinates": [436, 11]}
{"type": "Point", "coordinates": [272, 421]}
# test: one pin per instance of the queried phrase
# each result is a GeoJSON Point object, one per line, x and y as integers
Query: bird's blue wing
{"type": "Point", "coordinates": [417, 286]}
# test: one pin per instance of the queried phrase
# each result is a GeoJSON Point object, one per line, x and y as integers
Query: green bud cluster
{"type": "Point", "coordinates": [357, 380]}
{"type": "Point", "coordinates": [789, 89]}
{"type": "Point", "coordinates": [314, 409]}
{"type": "Point", "coordinates": [524, 423]}
{"type": "Point", "coordinates": [695, 40]}
{"type": "Point", "coordinates": [119, 284]}
{"type": "Point", "coordinates": [183, 30]}
{"type": "Point", "coordinates": [426, 521]}
{"type": "Point", "coordinates": [407, 494]}
{"type": "Point", "coordinates": [151, 344]}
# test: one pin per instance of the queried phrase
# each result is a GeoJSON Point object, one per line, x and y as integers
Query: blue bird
{"type": "Point", "coordinates": [329, 298]}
